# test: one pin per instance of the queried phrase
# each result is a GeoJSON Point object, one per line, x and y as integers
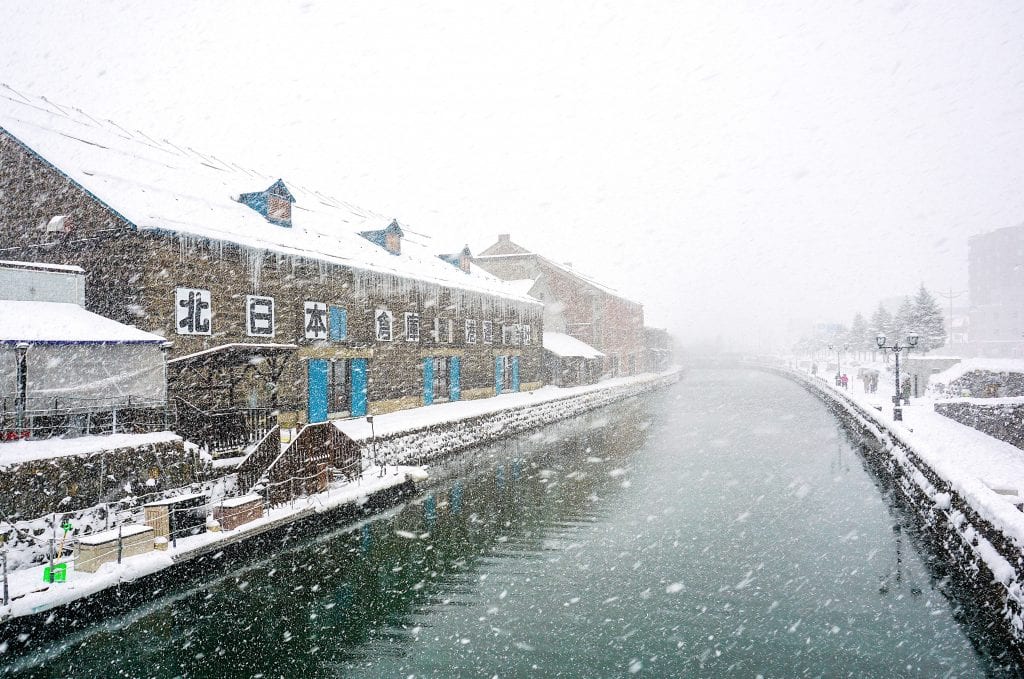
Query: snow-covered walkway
{"type": "Point", "coordinates": [985, 471]}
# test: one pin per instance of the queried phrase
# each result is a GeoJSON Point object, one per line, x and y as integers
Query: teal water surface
{"type": "Point", "coordinates": [722, 527]}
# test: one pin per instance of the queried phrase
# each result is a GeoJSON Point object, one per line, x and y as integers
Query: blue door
{"type": "Point", "coordinates": [453, 378]}
{"type": "Point", "coordinates": [499, 373]}
{"type": "Point", "coordinates": [316, 405]}
{"type": "Point", "coordinates": [358, 387]}
{"type": "Point", "coordinates": [515, 373]}
{"type": "Point", "coordinates": [428, 381]}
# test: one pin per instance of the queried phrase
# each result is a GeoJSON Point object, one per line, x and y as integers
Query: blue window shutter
{"type": "Point", "coordinates": [339, 324]}
{"type": "Point", "coordinates": [428, 381]}
{"type": "Point", "coordinates": [454, 378]}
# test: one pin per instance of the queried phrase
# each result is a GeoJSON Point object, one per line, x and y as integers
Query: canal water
{"type": "Point", "coordinates": [723, 527]}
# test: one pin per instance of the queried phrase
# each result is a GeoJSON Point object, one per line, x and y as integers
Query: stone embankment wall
{"type": "Point", "coordinates": [72, 482]}
{"type": "Point", "coordinates": [1004, 421]}
{"type": "Point", "coordinates": [988, 558]}
{"type": "Point", "coordinates": [422, 445]}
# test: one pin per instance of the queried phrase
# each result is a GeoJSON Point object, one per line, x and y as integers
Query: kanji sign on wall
{"type": "Point", "coordinates": [412, 327]}
{"type": "Point", "coordinates": [259, 316]}
{"type": "Point", "coordinates": [193, 312]}
{"type": "Point", "coordinates": [315, 322]}
{"type": "Point", "coordinates": [383, 321]}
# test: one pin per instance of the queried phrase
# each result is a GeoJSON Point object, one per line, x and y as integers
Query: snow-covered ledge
{"type": "Point", "coordinates": [978, 528]}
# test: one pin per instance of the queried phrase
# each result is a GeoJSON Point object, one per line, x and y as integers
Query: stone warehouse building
{"type": "Point", "coordinates": [575, 304]}
{"type": "Point", "coordinates": [275, 296]}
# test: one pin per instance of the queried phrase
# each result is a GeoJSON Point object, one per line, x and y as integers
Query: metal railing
{"type": "Point", "coordinates": [317, 450]}
{"type": "Point", "coordinates": [257, 462]}
{"type": "Point", "coordinates": [223, 430]}
{"type": "Point", "coordinates": [65, 416]}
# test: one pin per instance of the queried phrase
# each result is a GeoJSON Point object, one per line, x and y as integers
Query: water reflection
{"type": "Point", "coordinates": [721, 528]}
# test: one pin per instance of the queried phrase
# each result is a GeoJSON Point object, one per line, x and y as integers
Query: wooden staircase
{"type": "Point", "coordinates": [304, 466]}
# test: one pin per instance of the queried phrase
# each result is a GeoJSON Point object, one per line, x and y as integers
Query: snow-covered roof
{"type": "Point", "coordinates": [523, 285]}
{"type": "Point", "coordinates": [566, 346]}
{"type": "Point", "coordinates": [162, 186]}
{"type": "Point", "coordinates": [41, 266]}
{"type": "Point", "coordinates": [64, 323]}
{"type": "Point", "coordinates": [995, 365]}
{"type": "Point", "coordinates": [568, 270]}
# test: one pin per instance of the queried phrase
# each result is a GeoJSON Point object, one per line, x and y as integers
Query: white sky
{"type": "Point", "coordinates": [734, 166]}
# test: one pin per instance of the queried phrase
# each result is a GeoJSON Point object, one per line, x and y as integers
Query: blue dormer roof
{"type": "Point", "coordinates": [380, 236]}
{"type": "Point", "coordinates": [274, 203]}
{"type": "Point", "coordinates": [459, 259]}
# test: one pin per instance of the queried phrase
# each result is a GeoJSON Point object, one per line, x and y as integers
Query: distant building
{"type": "Point", "coordinates": [995, 268]}
{"type": "Point", "coordinates": [574, 304]}
{"type": "Point", "coordinates": [658, 344]}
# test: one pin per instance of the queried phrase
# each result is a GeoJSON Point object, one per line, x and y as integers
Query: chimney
{"type": "Point", "coordinates": [503, 238]}
{"type": "Point", "coordinates": [568, 265]}
{"type": "Point", "coordinates": [465, 257]}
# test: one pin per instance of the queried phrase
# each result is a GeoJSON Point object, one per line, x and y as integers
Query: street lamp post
{"type": "Point", "coordinates": [22, 384]}
{"type": "Point", "coordinates": [838, 349]}
{"type": "Point", "coordinates": [896, 348]}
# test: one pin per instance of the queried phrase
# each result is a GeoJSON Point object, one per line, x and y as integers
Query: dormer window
{"type": "Point", "coordinates": [390, 238]}
{"type": "Point", "coordinates": [461, 259]}
{"type": "Point", "coordinates": [275, 204]}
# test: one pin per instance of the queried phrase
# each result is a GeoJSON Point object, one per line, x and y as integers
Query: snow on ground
{"type": "Point", "coordinates": [441, 413]}
{"type": "Point", "coordinates": [17, 452]}
{"type": "Point", "coordinates": [31, 594]}
{"type": "Point", "coordinates": [974, 463]}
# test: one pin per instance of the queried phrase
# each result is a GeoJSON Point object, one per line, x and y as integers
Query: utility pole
{"type": "Point", "coordinates": [950, 296]}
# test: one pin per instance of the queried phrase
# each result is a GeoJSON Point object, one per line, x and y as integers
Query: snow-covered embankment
{"type": "Point", "coordinates": [979, 529]}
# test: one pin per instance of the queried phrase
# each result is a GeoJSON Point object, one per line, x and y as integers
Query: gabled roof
{"type": "Point", "coordinates": [157, 185]}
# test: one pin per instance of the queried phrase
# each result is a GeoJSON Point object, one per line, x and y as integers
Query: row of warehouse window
{"type": "Point", "coordinates": [194, 316]}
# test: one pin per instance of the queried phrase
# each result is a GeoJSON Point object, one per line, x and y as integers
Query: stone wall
{"type": "Point", "coordinates": [72, 482]}
{"type": "Point", "coordinates": [422, 445]}
{"type": "Point", "coordinates": [987, 561]}
{"type": "Point", "coordinates": [1004, 421]}
{"type": "Point", "coordinates": [987, 384]}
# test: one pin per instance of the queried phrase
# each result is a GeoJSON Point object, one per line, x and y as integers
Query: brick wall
{"type": "Point", "coordinates": [132, 275]}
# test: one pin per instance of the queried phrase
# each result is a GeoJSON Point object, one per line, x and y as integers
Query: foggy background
{"type": "Point", "coordinates": [742, 170]}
